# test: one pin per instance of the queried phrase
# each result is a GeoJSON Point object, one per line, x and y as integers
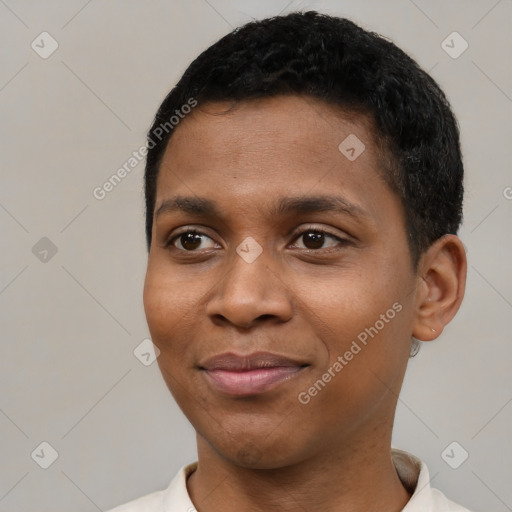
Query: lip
{"type": "Point", "coordinates": [253, 374]}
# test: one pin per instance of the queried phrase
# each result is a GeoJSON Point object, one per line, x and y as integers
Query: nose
{"type": "Point", "coordinates": [249, 294]}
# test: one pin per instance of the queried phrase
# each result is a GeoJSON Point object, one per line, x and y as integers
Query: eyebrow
{"type": "Point", "coordinates": [203, 207]}
{"type": "Point", "coordinates": [313, 204]}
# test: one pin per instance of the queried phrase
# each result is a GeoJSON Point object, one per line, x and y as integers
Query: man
{"type": "Point", "coordinates": [303, 195]}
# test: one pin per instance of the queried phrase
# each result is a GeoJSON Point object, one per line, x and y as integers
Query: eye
{"type": "Point", "coordinates": [189, 241]}
{"type": "Point", "coordinates": [314, 239]}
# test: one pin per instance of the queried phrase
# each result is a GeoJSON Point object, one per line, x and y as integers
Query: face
{"type": "Point", "coordinates": [279, 285]}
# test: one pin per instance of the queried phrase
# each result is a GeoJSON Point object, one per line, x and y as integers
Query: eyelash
{"type": "Point", "coordinates": [170, 243]}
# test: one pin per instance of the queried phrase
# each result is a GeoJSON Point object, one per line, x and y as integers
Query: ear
{"type": "Point", "coordinates": [442, 281]}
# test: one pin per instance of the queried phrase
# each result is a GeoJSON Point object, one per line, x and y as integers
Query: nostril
{"type": "Point", "coordinates": [266, 316]}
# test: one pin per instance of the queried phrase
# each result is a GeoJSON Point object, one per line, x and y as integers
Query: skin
{"type": "Point", "coordinates": [301, 298]}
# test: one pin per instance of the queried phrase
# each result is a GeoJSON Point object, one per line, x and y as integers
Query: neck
{"type": "Point", "coordinates": [353, 479]}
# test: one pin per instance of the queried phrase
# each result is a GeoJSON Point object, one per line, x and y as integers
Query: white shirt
{"type": "Point", "coordinates": [412, 472]}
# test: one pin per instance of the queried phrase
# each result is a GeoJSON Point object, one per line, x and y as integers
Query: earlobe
{"type": "Point", "coordinates": [442, 281]}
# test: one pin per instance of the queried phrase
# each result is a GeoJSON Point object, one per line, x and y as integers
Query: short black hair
{"type": "Point", "coordinates": [334, 60]}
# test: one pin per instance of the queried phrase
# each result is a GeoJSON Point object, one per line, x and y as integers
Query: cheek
{"type": "Point", "coordinates": [166, 316]}
{"type": "Point", "coordinates": [164, 308]}
{"type": "Point", "coordinates": [166, 298]}
{"type": "Point", "coordinates": [364, 320]}
{"type": "Point", "coordinates": [348, 300]}
{"type": "Point", "coordinates": [156, 303]}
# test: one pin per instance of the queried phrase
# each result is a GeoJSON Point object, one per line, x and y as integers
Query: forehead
{"type": "Point", "coordinates": [291, 127]}
{"type": "Point", "coordinates": [283, 146]}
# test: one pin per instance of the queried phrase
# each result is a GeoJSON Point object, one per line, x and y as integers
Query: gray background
{"type": "Point", "coordinates": [72, 320]}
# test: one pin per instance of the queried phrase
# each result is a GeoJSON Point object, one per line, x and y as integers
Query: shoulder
{"type": "Point", "coordinates": [415, 477]}
{"type": "Point", "coordinates": [443, 504]}
{"type": "Point", "coordinates": [175, 497]}
{"type": "Point", "coordinates": [149, 503]}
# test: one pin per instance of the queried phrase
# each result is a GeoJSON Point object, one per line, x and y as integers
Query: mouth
{"type": "Point", "coordinates": [252, 374]}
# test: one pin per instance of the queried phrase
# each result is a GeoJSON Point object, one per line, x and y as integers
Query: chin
{"type": "Point", "coordinates": [256, 454]}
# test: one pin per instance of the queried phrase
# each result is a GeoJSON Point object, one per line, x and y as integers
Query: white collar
{"type": "Point", "coordinates": [412, 472]}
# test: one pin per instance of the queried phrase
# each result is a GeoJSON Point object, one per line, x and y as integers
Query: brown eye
{"type": "Point", "coordinates": [313, 239]}
{"type": "Point", "coordinates": [189, 241]}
